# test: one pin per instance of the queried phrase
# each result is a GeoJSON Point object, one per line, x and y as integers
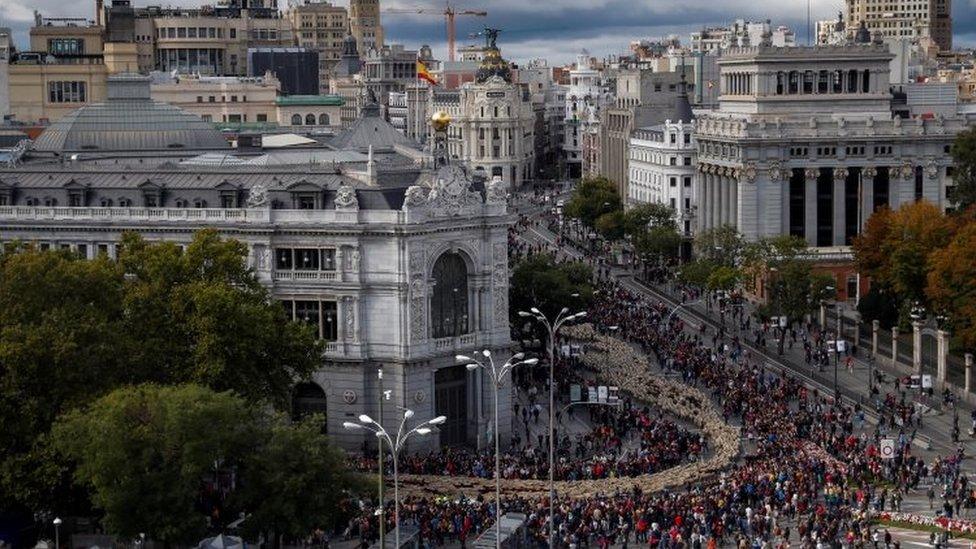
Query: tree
{"type": "Point", "coordinates": [894, 249]}
{"type": "Point", "coordinates": [72, 330]}
{"type": "Point", "coordinates": [611, 226]}
{"type": "Point", "coordinates": [538, 281]}
{"type": "Point", "coordinates": [203, 317]}
{"type": "Point", "coordinates": [952, 283]}
{"type": "Point", "coordinates": [592, 198]}
{"type": "Point", "coordinates": [295, 482]}
{"type": "Point", "coordinates": [696, 273]}
{"type": "Point", "coordinates": [60, 346]}
{"type": "Point", "coordinates": [658, 241]}
{"type": "Point", "coordinates": [642, 217]}
{"type": "Point", "coordinates": [721, 246]}
{"type": "Point", "coordinates": [145, 450]}
{"type": "Point", "coordinates": [964, 179]}
{"type": "Point", "coordinates": [723, 279]}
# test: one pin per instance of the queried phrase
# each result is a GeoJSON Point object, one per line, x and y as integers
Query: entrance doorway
{"type": "Point", "coordinates": [451, 400]}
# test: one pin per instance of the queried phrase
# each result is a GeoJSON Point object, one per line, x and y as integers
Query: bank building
{"type": "Point", "coordinates": [394, 255]}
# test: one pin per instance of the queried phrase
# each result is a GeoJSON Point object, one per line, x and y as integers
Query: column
{"type": "Point", "coordinates": [810, 200]}
{"type": "Point", "coordinates": [894, 346]}
{"type": "Point", "coordinates": [874, 337]}
{"type": "Point", "coordinates": [867, 196]}
{"type": "Point", "coordinates": [717, 201]}
{"type": "Point", "coordinates": [917, 346]}
{"type": "Point", "coordinates": [969, 373]}
{"type": "Point", "coordinates": [726, 195]}
{"type": "Point", "coordinates": [699, 195]}
{"type": "Point", "coordinates": [942, 339]}
{"type": "Point", "coordinates": [840, 176]}
{"type": "Point", "coordinates": [734, 203]}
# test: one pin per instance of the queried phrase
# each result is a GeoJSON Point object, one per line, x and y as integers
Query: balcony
{"type": "Point", "coordinates": [283, 276]}
{"type": "Point", "coordinates": [459, 342]}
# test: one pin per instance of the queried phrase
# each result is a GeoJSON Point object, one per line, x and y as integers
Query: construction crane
{"type": "Point", "coordinates": [449, 14]}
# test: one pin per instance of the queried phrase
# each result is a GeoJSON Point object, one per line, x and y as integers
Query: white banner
{"type": "Point", "coordinates": [887, 448]}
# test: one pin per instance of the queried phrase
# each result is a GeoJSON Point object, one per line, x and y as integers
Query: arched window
{"type": "Point", "coordinates": [852, 81]}
{"type": "Point", "coordinates": [308, 399]}
{"type": "Point", "coordinates": [296, 120]}
{"type": "Point", "coordinates": [106, 202]}
{"type": "Point", "coordinates": [780, 83]}
{"type": "Point", "coordinates": [181, 203]}
{"type": "Point", "coordinates": [309, 119]}
{"type": "Point", "coordinates": [50, 202]}
{"type": "Point", "coordinates": [323, 119]}
{"type": "Point", "coordinates": [199, 203]}
{"type": "Point", "coordinates": [449, 302]}
{"type": "Point", "coordinates": [125, 203]}
{"type": "Point", "coordinates": [31, 201]}
{"type": "Point", "coordinates": [794, 82]}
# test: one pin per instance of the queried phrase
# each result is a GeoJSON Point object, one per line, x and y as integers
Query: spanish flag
{"type": "Point", "coordinates": [424, 73]}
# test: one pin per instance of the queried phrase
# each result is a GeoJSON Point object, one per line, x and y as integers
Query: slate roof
{"type": "Point", "coordinates": [370, 129]}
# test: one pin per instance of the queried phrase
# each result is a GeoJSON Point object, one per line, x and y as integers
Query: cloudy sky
{"type": "Point", "coordinates": [552, 29]}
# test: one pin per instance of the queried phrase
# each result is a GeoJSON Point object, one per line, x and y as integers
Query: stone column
{"type": "Point", "coordinates": [969, 373]}
{"type": "Point", "coordinates": [942, 346]}
{"type": "Point", "coordinates": [700, 200]}
{"type": "Point", "coordinates": [810, 201]}
{"type": "Point", "coordinates": [840, 221]}
{"type": "Point", "coordinates": [867, 195]}
{"type": "Point", "coordinates": [874, 337]}
{"type": "Point", "coordinates": [734, 203]}
{"type": "Point", "coordinates": [894, 345]}
{"type": "Point", "coordinates": [917, 346]}
{"type": "Point", "coordinates": [716, 201]}
{"type": "Point", "coordinates": [726, 199]}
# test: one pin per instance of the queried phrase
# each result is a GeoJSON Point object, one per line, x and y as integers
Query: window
{"type": "Point", "coordinates": [66, 46]}
{"type": "Point", "coordinates": [323, 119]}
{"type": "Point", "coordinates": [309, 119]}
{"type": "Point", "coordinates": [50, 202]}
{"type": "Point", "coordinates": [233, 33]}
{"type": "Point", "coordinates": [687, 181]}
{"type": "Point", "coordinates": [66, 92]}
{"type": "Point", "coordinates": [673, 181]}
{"type": "Point", "coordinates": [262, 118]}
{"type": "Point", "coordinates": [305, 201]}
{"type": "Point", "coordinates": [673, 161]}
{"type": "Point", "coordinates": [449, 302]}
{"type": "Point", "coordinates": [296, 120]}
{"type": "Point", "coordinates": [105, 203]}
{"type": "Point", "coordinates": [181, 203]}
{"type": "Point", "coordinates": [75, 200]}
{"type": "Point", "coordinates": [228, 200]}
{"type": "Point", "coordinates": [199, 203]}
{"type": "Point", "coordinates": [211, 99]}
{"type": "Point", "coordinates": [822, 82]}
{"type": "Point", "coordinates": [322, 316]}
{"type": "Point", "coordinates": [305, 259]}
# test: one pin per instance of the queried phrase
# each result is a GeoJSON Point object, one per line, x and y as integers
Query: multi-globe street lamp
{"type": "Point", "coordinates": [367, 423]}
{"type": "Point", "coordinates": [552, 328]}
{"type": "Point", "coordinates": [497, 377]}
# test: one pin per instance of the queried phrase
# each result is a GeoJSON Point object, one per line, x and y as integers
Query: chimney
{"type": "Point", "coordinates": [99, 13]}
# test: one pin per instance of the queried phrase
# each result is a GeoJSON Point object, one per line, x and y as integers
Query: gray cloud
{"type": "Point", "coordinates": [552, 29]}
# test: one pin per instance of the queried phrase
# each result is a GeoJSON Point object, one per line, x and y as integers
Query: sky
{"type": "Point", "coordinates": [552, 29]}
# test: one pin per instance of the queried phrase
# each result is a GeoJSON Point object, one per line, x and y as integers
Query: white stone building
{"type": "Point", "coordinates": [584, 99]}
{"type": "Point", "coordinates": [662, 169]}
{"type": "Point", "coordinates": [740, 33]}
{"type": "Point", "coordinates": [493, 128]}
{"type": "Point", "coordinates": [805, 143]}
{"type": "Point", "coordinates": [394, 264]}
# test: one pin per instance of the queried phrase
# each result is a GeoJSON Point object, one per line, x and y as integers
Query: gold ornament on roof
{"type": "Point", "coordinates": [440, 120]}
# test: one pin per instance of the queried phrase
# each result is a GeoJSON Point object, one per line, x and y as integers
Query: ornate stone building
{"type": "Point", "coordinates": [394, 263]}
{"type": "Point", "coordinates": [493, 133]}
{"type": "Point", "coordinates": [805, 143]}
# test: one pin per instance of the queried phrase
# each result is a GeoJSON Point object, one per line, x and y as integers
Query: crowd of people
{"type": "Point", "coordinates": [811, 471]}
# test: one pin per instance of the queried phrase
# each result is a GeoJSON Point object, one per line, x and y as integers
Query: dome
{"type": "Point", "coordinates": [129, 120]}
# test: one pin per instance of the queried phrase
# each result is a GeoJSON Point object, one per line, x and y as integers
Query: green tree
{"type": "Point", "coordinates": [592, 198]}
{"type": "Point", "coordinates": [697, 273]}
{"type": "Point", "coordinates": [61, 344]}
{"type": "Point", "coordinates": [964, 179]}
{"type": "Point", "coordinates": [203, 317]}
{"type": "Point", "coordinates": [538, 281]}
{"type": "Point", "coordinates": [723, 279]}
{"type": "Point", "coordinates": [952, 283]}
{"type": "Point", "coordinates": [642, 217]}
{"type": "Point", "coordinates": [611, 226]}
{"type": "Point", "coordinates": [721, 246]}
{"type": "Point", "coordinates": [295, 482]}
{"type": "Point", "coordinates": [658, 241]}
{"type": "Point", "coordinates": [145, 450]}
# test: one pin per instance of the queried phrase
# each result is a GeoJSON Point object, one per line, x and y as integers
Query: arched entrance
{"type": "Point", "coordinates": [308, 399]}
{"type": "Point", "coordinates": [449, 299]}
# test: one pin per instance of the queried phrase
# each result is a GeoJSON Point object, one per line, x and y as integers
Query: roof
{"type": "Point", "coordinates": [285, 140]}
{"type": "Point", "coordinates": [302, 100]}
{"type": "Point", "coordinates": [129, 121]}
{"type": "Point", "coordinates": [370, 130]}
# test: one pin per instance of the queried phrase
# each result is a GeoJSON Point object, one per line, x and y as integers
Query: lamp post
{"type": "Point", "coordinates": [552, 328]}
{"type": "Point", "coordinates": [57, 533]}
{"type": "Point", "coordinates": [497, 376]}
{"type": "Point", "coordinates": [667, 318]}
{"type": "Point", "coordinates": [367, 423]}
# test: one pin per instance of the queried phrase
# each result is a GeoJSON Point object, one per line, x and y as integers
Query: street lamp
{"type": "Point", "coordinates": [57, 533]}
{"type": "Point", "coordinates": [497, 376]}
{"type": "Point", "coordinates": [367, 423]}
{"type": "Point", "coordinates": [552, 328]}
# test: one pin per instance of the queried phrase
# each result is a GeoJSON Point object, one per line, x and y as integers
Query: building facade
{"type": "Point", "coordinates": [395, 264]}
{"type": "Point", "coordinates": [584, 98]}
{"type": "Point", "coordinates": [904, 19]}
{"type": "Point", "coordinates": [320, 26]}
{"type": "Point", "coordinates": [229, 99]}
{"type": "Point", "coordinates": [662, 170]}
{"type": "Point", "coordinates": [805, 143]}
{"type": "Point", "coordinates": [365, 25]}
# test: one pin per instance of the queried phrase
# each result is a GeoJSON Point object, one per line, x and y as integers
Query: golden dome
{"type": "Point", "coordinates": [440, 120]}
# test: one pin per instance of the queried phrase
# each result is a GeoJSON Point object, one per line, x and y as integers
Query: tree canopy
{"type": "Point", "coordinates": [592, 198]}
{"type": "Point", "coordinates": [72, 330]}
{"type": "Point", "coordinates": [539, 281]}
{"type": "Point", "coordinates": [952, 283]}
{"type": "Point", "coordinates": [145, 451]}
{"type": "Point", "coordinates": [964, 178]}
